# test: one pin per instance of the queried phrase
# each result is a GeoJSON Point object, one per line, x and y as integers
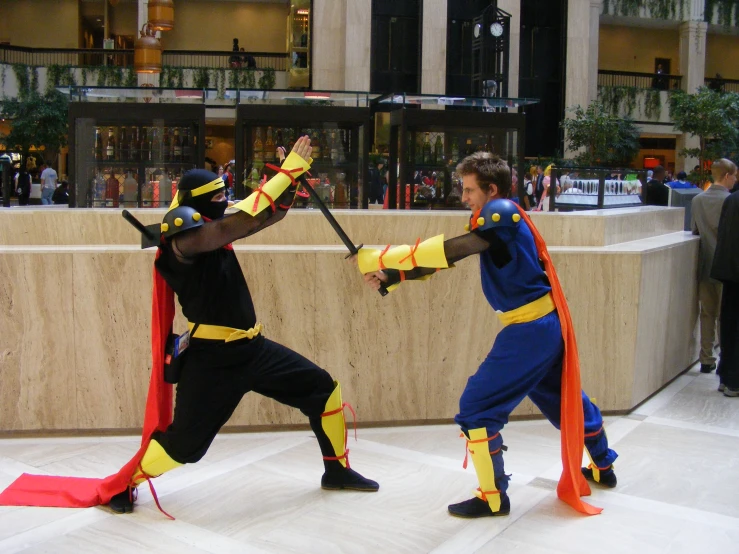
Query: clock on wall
{"type": "Point", "coordinates": [496, 29]}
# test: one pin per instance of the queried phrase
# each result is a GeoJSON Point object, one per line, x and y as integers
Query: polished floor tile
{"type": "Point", "coordinates": [260, 492]}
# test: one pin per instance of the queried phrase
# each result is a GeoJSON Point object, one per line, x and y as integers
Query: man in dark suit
{"type": "Point", "coordinates": [658, 194]}
{"type": "Point", "coordinates": [726, 270]}
{"type": "Point", "coordinates": [539, 190]}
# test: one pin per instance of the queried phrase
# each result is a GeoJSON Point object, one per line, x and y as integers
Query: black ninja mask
{"type": "Point", "coordinates": [203, 186]}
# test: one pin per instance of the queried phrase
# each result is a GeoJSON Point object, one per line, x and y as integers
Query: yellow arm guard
{"type": "Point", "coordinates": [259, 200]}
{"type": "Point", "coordinates": [429, 253]}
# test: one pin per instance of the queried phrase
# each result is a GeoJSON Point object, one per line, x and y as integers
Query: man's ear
{"type": "Point", "coordinates": [493, 190]}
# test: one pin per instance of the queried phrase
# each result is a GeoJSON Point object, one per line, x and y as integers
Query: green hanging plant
{"type": "Point", "coordinates": [652, 104]}
{"type": "Point", "coordinates": [630, 98]}
{"type": "Point", "coordinates": [221, 83]}
{"type": "Point", "coordinates": [267, 80]}
{"type": "Point", "coordinates": [234, 78]}
{"type": "Point", "coordinates": [131, 78]}
{"type": "Point", "coordinates": [84, 76]}
{"type": "Point", "coordinates": [21, 76]}
{"type": "Point", "coordinates": [250, 79]}
{"type": "Point", "coordinates": [2, 90]}
{"type": "Point", "coordinates": [202, 77]}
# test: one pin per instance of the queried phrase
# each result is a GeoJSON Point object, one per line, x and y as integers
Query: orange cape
{"type": "Point", "coordinates": [572, 485]}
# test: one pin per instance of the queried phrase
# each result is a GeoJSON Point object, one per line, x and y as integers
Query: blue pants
{"type": "Point", "coordinates": [526, 360]}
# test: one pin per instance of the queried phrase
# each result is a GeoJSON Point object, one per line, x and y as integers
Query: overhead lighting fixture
{"type": "Point", "coordinates": [303, 12]}
{"type": "Point", "coordinates": [147, 52]}
{"type": "Point", "coordinates": [161, 15]}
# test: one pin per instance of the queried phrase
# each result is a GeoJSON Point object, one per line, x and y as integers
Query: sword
{"type": "Point", "coordinates": [149, 233]}
{"type": "Point", "coordinates": [353, 250]}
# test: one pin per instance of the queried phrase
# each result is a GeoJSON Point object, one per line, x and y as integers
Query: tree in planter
{"type": "Point", "coordinates": [713, 118]}
{"type": "Point", "coordinates": [36, 120]}
{"type": "Point", "coordinates": [608, 140]}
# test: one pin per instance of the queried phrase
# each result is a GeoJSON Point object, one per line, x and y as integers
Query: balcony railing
{"type": "Point", "coordinates": [661, 81]}
{"type": "Point", "coordinates": [124, 58]}
{"type": "Point", "coordinates": [723, 85]}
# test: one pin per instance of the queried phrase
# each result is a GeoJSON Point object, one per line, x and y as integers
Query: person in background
{"type": "Point", "coordinates": [657, 194]}
{"type": "Point", "coordinates": [529, 186]}
{"type": "Point", "coordinates": [48, 183]}
{"type": "Point", "coordinates": [235, 60]}
{"type": "Point", "coordinates": [681, 182]}
{"type": "Point", "coordinates": [61, 194]}
{"type": "Point", "coordinates": [228, 179]}
{"type": "Point", "coordinates": [23, 187]}
{"type": "Point", "coordinates": [705, 213]}
{"type": "Point", "coordinates": [726, 270]}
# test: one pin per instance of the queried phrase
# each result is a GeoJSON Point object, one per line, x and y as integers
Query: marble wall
{"type": "Point", "coordinates": [75, 319]}
{"type": "Point", "coordinates": [105, 226]}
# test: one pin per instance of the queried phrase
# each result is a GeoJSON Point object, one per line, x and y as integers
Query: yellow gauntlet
{"type": "Point", "coordinates": [268, 194]}
{"type": "Point", "coordinates": [429, 253]}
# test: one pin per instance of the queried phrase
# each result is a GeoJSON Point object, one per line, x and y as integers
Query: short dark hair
{"type": "Point", "coordinates": [489, 169]}
{"type": "Point", "coordinates": [658, 170]}
{"type": "Point", "coordinates": [682, 175]}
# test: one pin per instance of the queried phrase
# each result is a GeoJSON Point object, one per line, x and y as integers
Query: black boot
{"type": "Point", "coordinates": [477, 507]}
{"type": "Point", "coordinates": [607, 476]}
{"type": "Point", "coordinates": [337, 477]}
{"type": "Point", "coordinates": [122, 503]}
{"type": "Point", "coordinates": [707, 368]}
{"type": "Point", "coordinates": [343, 478]}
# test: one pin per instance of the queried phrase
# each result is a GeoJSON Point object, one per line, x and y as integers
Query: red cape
{"type": "Point", "coordinates": [572, 485]}
{"type": "Point", "coordinates": [81, 492]}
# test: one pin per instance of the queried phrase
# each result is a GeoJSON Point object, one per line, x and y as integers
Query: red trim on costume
{"type": "Point", "coordinates": [598, 432]}
{"type": "Point", "coordinates": [473, 220]}
{"type": "Point", "coordinates": [148, 478]}
{"type": "Point", "coordinates": [412, 255]}
{"type": "Point", "coordinates": [379, 260]}
{"type": "Point", "coordinates": [484, 494]}
{"type": "Point", "coordinates": [287, 172]}
{"type": "Point", "coordinates": [346, 431]}
{"type": "Point", "coordinates": [468, 442]}
{"type": "Point", "coordinates": [402, 275]}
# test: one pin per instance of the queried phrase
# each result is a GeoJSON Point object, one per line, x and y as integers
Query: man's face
{"type": "Point", "coordinates": [539, 170]}
{"type": "Point", "coordinates": [473, 195]}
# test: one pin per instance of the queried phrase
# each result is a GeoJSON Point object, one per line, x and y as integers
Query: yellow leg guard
{"type": "Point", "coordinates": [334, 425]}
{"type": "Point", "coordinates": [480, 451]}
{"type": "Point", "coordinates": [155, 462]}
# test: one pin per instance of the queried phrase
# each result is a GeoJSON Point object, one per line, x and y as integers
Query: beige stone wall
{"type": "Point", "coordinates": [40, 24]}
{"type": "Point", "coordinates": [623, 48]}
{"type": "Point", "coordinates": [720, 49]}
{"type": "Point", "coordinates": [75, 319]}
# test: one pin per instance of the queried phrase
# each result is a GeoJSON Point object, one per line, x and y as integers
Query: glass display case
{"type": "Point", "coordinates": [430, 135]}
{"type": "Point", "coordinates": [132, 155]}
{"type": "Point", "coordinates": [590, 188]}
{"type": "Point", "coordinates": [338, 124]}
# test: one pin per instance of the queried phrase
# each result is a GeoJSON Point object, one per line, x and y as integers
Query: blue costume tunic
{"type": "Point", "coordinates": [526, 358]}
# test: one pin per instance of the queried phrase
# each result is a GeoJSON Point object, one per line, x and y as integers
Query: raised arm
{"type": "Point", "coordinates": [264, 207]}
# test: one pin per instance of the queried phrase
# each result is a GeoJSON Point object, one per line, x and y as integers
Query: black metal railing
{"type": "Point", "coordinates": [659, 81]}
{"type": "Point", "coordinates": [124, 58]}
{"type": "Point", "coordinates": [227, 59]}
{"type": "Point", "coordinates": [722, 85]}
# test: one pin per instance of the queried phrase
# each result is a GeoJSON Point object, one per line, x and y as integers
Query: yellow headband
{"type": "Point", "coordinates": [203, 189]}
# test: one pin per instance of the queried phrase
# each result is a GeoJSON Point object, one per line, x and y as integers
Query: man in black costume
{"type": "Point", "coordinates": [227, 354]}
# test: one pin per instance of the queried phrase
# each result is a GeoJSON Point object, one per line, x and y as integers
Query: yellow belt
{"type": "Point", "coordinates": [227, 334]}
{"type": "Point", "coordinates": [528, 312]}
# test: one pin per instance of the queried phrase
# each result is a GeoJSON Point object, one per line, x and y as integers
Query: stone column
{"type": "Point", "coordinates": [692, 69]}
{"type": "Point", "coordinates": [581, 79]}
{"type": "Point", "coordinates": [513, 7]}
{"type": "Point", "coordinates": [329, 43]}
{"type": "Point", "coordinates": [358, 45]}
{"type": "Point", "coordinates": [433, 49]}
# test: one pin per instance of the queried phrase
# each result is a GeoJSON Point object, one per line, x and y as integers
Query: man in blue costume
{"type": "Point", "coordinates": [520, 283]}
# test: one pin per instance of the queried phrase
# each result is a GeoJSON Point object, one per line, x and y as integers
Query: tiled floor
{"type": "Point", "coordinates": [677, 493]}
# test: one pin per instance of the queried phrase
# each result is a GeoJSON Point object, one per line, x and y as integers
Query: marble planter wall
{"type": "Point", "coordinates": [304, 227]}
{"type": "Point", "coordinates": [75, 329]}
